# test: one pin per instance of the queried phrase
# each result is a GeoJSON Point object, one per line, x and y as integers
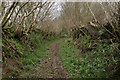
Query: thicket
{"type": "Point", "coordinates": [21, 24]}
{"type": "Point", "coordinates": [94, 48]}
{"type": "Point", "coordinates": [92, 53]}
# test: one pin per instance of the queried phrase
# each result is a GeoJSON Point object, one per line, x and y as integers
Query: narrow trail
{"type": "Point", "coordinates": [56, 63]}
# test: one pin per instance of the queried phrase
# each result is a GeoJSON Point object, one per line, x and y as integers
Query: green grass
{"type": "Point", "coordinates": [33, 56]}
{"type": "Point", "coordinates": [90, 64]}
{"type": "Point", "coordinates": [67, 53]}
{"type": "Point", "coordinates": [28, 67]}
{"type": "Point", "coordinates": [33, 50]}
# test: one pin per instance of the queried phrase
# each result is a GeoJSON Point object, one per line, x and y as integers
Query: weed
{"type": "Point", "coordinates": [92, 63]}
{"type": "Point", "coordinates": [28, 67]}
{"type": "Point", "coordinates": [23, 76]}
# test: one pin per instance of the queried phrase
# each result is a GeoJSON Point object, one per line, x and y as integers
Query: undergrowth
{"type": "Point", "coordinates": [100, 62]}
{"type": "Point", "coordinates": [33, 50]}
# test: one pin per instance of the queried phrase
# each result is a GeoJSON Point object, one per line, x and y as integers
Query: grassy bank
{"type": "Point", "coordinates": [100, 62]}
{"type": "Point", "coordinates": [33, 52]}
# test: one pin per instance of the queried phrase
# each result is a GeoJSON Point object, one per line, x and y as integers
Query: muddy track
{"type": "Point", "coordinates": [56, 63]}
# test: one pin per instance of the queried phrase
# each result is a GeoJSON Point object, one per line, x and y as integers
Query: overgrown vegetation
{"type": "Point", "coordinates": [35, 50]}
{"type": "Point", "coordinates": [99, 62]}
{"type": "Point", "coordinates": [91, 32]}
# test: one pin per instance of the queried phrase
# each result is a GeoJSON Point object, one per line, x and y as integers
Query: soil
{"type": "Point", "coordinates": [9, 66]}
{"type": "Point", "coordinates": [56, 63]}
{"type": "Point", "coordinates": [50, 66]}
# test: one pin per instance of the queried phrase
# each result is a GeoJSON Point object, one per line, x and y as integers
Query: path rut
{"type": "Point", "coordinates": [56, 63]}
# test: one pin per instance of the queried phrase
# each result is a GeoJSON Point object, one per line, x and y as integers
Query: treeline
{"type": "Point", "coordinates": [95, 30]}
{"type": "Point", "coordinates": [19, 20]}
{"type": "Point", "coordinates": [76, 15]}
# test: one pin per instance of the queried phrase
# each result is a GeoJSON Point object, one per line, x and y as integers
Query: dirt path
{"type": "Point", "coordinates": [50, 66]}
{"type": "Point", "coordinates": [56, 63]}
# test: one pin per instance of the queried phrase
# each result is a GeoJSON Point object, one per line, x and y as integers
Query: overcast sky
{"type": "Point", "coordinates": [56, 9]}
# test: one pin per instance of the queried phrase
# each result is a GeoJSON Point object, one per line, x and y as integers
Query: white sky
{"type": "Point", "coordinates": [57, 8]}
{"type": "Point", "coordinates": [62, 0]}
